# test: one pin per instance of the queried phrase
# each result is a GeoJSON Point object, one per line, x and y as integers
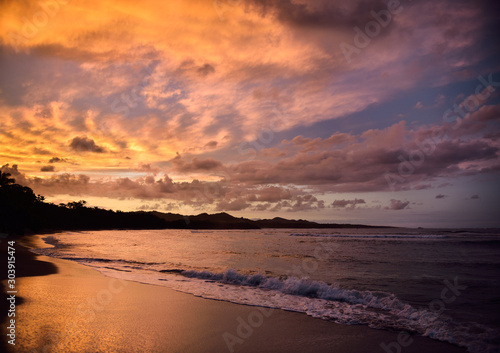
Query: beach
{"type": "Point", "coordinates": [68, 307]}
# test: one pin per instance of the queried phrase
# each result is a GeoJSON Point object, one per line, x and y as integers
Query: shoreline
{"type": "Point", "coordinates": [73, 308]}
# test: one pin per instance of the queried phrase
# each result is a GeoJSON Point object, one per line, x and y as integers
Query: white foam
{"type": "Point", "coordinates": [328, 302]}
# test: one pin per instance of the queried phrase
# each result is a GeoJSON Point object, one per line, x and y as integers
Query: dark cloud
{"type": "Point", "coordinates": [48, 168]}
{"type": "Point", "coordinates": [296, 203]}
{"type": "Point", "coordinates": [320, 13]}
{"type": "Point", "coordinates": [362, 167]}
{"type": "Point", "coordinates": [422, 186]}
{"type": "Point", "coordinates": [398, 205]}
{"type": "Point", "coordinates": [84, 144]}
{"type": "Point", "coordinates": [440, 196]}
{"type": "Point", "coordinates": [206, 69]}
{"type": "Point", "coordinates": [147, 168]}
{"type": "Point", "coordinates": [44, 113]}
{"type": "Point", "coordinates": [378, 159]}
{"type": "Point", "coordinates": [347, 203]}
{"type": "Point", "coordinates": [40, 151]}
{"type": "Point", "coordinates": [474, 197]}
{"type": "Point", "coordinates": [57, 160]}
{"type": "Point", "coordinates": [211, 144]}
{"type": "Point", "coordinates": [195, 165]}
{"type": "Point", "coordinates": [308, 144]}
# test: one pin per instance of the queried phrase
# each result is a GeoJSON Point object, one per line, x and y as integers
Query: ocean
{"type": "Point", "coordinates": [443, 284]}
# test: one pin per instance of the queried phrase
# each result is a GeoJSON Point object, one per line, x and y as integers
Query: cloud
{"type": "Point", "coordinates": [84, 144]}
{"type": "Point", "coordinates": [194, 165]}
{"type": "Point", "coordinates": [57, 160]}
{"type": "Point", "coordinates": [48, 168]}
{"type": "Point", "coordinates": [147, 168]}
{"type": "Point", "coordinates": [211, 144]}
{"type": "Point", "coordinates": [210, 87]}
{"type": "Point", "coordinates": [269, 194]}
{"type": "Point", "coordinates": [476, 100]}
{"type": "Point", "coordinates": [235, 205]}
{"type": "Point", "coordinates": [306, 202]}
{"type": "Point", "coordinates": [149, 207]}
{"type": "Point", "coordinates": [320, 14]}
{"type": "Point", "coordinates": [14, 172]}
{"type": "Point", "coordinates": [44, 113]}
{"type": "Point", "coordinates": [355, 163]}
{"type": "Point", "coordinates": [439, 100]}
{"type": "Point", "coordinates": [440, 196]}
{"type": "Point", "coordinates": [347, 203]}
{"type": "Point", "coordinates": [475, 197]}
{"type": "Point", "coordinates": [398, 205]}
{"type": "Point", "coordinates": [422, 186]}
{"type": "Point", "coordinates": [206, 69]}
{"type": "Point", "coordinates": [40, 151]}
{"type": "Point", "coordinates": [219, 195]}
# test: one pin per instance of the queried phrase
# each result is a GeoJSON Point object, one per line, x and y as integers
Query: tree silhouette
{"type": "Point", "coordinates": [5, 179]}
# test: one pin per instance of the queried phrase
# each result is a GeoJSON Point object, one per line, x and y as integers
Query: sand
{"type": "Point", "coordinates": [68, 307]}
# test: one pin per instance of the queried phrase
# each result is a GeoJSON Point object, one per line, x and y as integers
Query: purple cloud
{"type": "Point", "coordinates": [398, 205]}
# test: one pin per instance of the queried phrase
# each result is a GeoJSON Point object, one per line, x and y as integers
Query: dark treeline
{"type": "Point", "coordinates": [21, 210]}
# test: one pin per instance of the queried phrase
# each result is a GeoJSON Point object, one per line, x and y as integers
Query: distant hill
{"type": "Point", "coordinates": [278, 222]}
{"type": "Point", "coordinates": [205, 221]}
{"type": "Point", "coordinates": [226, 221]}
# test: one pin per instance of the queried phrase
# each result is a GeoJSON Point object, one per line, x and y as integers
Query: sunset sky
{"type": "Point", "coordinates": [336, 111]}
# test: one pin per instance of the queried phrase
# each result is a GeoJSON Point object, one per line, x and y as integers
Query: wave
{"type": "Point", "coordinates": [318, 299]}
{"type": "Point", "coordinates": [301, 287]}
{"type": "Point", "coordinates": [331, 302]}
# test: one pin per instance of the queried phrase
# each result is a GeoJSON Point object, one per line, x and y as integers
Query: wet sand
{"type": "Point", "coordinates": [68, 307]}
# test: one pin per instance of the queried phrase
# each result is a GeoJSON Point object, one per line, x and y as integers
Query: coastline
{"type": "Point", "coordinates": [72, 308]}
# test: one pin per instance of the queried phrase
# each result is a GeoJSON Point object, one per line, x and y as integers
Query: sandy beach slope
{"type": "Point", "coordinates": [73, 308]}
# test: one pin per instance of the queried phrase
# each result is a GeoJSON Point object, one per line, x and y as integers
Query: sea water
{"type": "Point", "coordinates": [443, 284]}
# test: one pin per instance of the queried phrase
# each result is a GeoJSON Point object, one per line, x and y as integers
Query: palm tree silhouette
{"type": "Point", "coordinates": [5, 179]}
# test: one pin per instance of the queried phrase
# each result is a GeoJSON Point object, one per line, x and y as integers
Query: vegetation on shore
{"type": "Point", "coordinates": [21, 210]}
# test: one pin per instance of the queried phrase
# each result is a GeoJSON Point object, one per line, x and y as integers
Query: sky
{"type": "Point", "coordinates": [374, 112]}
